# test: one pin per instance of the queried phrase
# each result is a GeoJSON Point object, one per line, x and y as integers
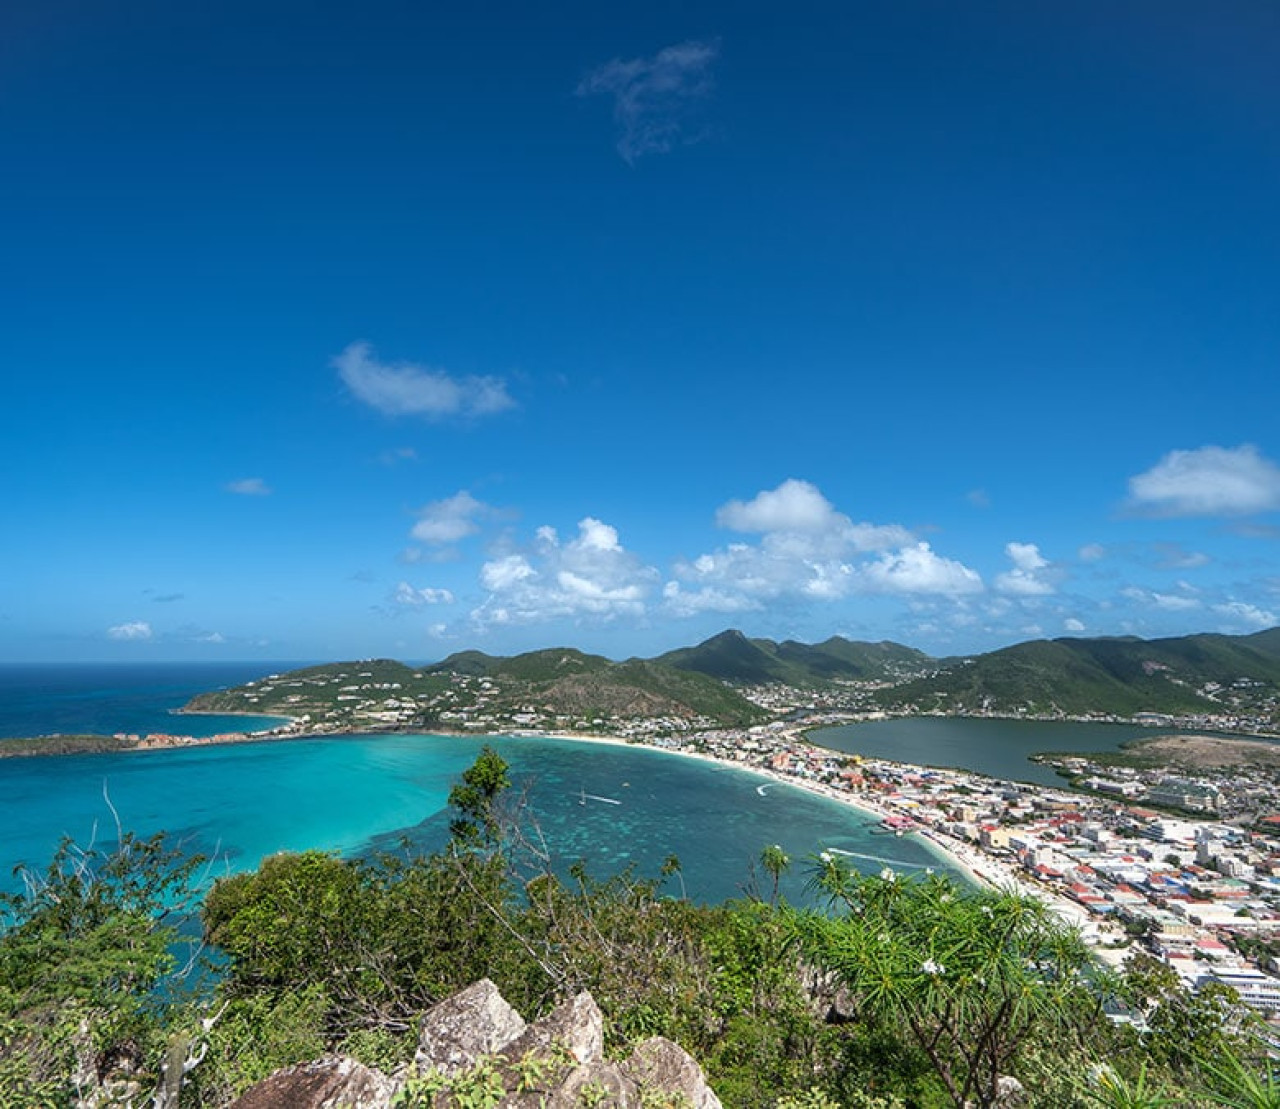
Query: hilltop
{"type": "Point", "coordinates": [732, 657]}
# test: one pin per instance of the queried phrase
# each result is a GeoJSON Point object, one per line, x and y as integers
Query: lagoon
{"type": "Point", "coordinates": [997, 748]}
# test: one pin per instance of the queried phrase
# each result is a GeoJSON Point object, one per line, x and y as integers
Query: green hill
{"type": "Point", "coordinates": [732, 657]}
{"type": "Point", "coordinates": [332, 691]}
{"type": "Point", "coordinates": [565, 680]}
{"type": "Point", "coordinates": [1189, 674]}
{"type": "Point", "coordinates": [562, 687]}
{"type": "Point", "coordinates": [549, 689]}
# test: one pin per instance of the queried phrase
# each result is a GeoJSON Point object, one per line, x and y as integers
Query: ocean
{"type": "Point", "coordinates": [134, 698]}
{"type": "Point", "coordinates": [610, 806]}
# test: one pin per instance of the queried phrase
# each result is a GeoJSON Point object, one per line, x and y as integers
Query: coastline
{"type": "Point", "coordinates": [964, 864]}
{"type": "Point", "coordinates": [992, 873]}
{"type": "Point", "coordinates": [974, 865]}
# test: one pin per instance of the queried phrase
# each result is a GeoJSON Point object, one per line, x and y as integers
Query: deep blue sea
{"type": "Point", "coordinates": [136, 698]}
{"type": "Point", "coordinates": [610, 806]}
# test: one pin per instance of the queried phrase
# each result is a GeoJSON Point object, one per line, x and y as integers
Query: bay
{"type": "Point", "coordinates": [997, 748]}
{"type": "Point", "coordinates": [239, 803]}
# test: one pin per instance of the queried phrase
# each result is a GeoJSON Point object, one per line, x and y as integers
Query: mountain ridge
{"type": "Point", "coordinates": [1234, 680]}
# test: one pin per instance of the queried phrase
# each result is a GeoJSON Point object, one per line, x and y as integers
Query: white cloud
{"type": "Point", "coordinates": [653, 97]}
{"type": "Point", "coordinates": [249, 487]}
{"type": "Point", "coordinates": [1071, 624]}
{"type": "Point", "coordinates": [691, 602]}
{"type": "Point", "coordinates": [979, 498]}
{"type": "Point", "coordinates": [1250, 615]}
{"type": "Point", "coordinates": [408, 389]}
{"type": "Point", "coordinates": [591, 576]}
{"type": "Point", "coordinates": [133, 631]}
{"type": "Point", "coordinates": [1092, 552]}
{"type": "Point", "coordinates": [918, 570]}
{"type": "Point", "coordinates": [449, 520]}
{"type": "Point", "coordinates": [592, 535]}
{"type": "Point", "coordinates": [797, 507]}
{"type": "Point", "coordinates": [505, 573]}
{"type": "Point", "coordinates": [211, 637]}
{"type": "Point", "coordinates": [1211, 481]}
{"type": "Point", "coordinates": [1027, 578]}
{"type": "Point", "coordinates": [808, 551]}
{"type": "Point", "coordinates": [1174, 602]}
{"type": "Point", "coordinates": [1166, 602]}
{"type": "Point", "coordinates": [793, 506]}
{"type": "Point", "coordinates": [407, 596]}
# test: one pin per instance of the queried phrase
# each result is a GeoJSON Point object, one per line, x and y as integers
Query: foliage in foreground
{"type": "Point", "coordinates": [970, 981]}
{"type": "Point", "coordinates": [906, 993]}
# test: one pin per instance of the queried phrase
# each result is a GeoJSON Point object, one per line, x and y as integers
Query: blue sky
{"type": "Point", "coordinates": [336, 330]}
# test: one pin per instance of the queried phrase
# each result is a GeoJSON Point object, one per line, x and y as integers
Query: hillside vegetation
{"type": "Point", "coordinates": [1227, 681]}
{"type": "Point", "coordinates": [1190, 674]}
{"type": "Point", "coordinates": [559, 687]}
{"type": "Point", "coordinates": [732, 657]}
{"type": "Point", "coordinates": [904, 992]}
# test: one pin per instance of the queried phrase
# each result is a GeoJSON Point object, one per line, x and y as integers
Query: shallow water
{"type": "Point", "coordinates": [242, 802]}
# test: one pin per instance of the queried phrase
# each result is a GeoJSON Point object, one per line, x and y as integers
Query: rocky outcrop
{"type": "Point", "coordinates": [334, 1082]}
{"type": "Point", "coordinates": [554, 1063]}
{"type": "Point", "coordinates": [464, 1028]}
{"type": "Point", "coordinates": [575, 1027]}
{"type": "Point", "coordinates": [660, 1064]}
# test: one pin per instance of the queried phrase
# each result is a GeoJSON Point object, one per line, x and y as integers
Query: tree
{"type": "Point", "coordinates": [972, 978]}
{"type": "Point", "coordinates": [89, 968]}
{"type": "Point", "coordinates": [1233, 1083]}
{"type": "Point", "coordinates": [477, 824]}
{"type": "Point", "coordinates": [1184, 1026]}
{"type": "Point", "coordinates": [776, 863]}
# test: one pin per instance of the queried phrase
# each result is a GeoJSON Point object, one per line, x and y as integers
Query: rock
{"type": "Point", "coordinates": [600, 1083]}
{"type": "Point", "coordinates": [334, 1082]}
{"type": "Point", "coordinates": [1009, 1091]}
{"type": "Point", "coordinates": [465, 1027]}
{"type": "Point", "coordinates": [828, 998]}
{"type": "Point", "coordinates": [658, 1064]}
{"type": "Point", "coordinates": [576, 1025]}
{"type": "Point", "coordinates": [554, 1063]}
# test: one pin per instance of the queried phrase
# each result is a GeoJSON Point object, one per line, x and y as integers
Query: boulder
{"type": "Point", "coordinates": [576, 1025]}
{"type": "Point", "coordinates": [463, 1028]}
{"type": "Point", "coordinates": [1009, 1091]}
{"type": "Point", "coordinates": [555, 1063]}
{"type": "Point", "coordinates": [657, 1064]}
{"type": "Point", "coordinates": [599, 1083]}
{"type": "Point", "coordinates": [334, 1082]}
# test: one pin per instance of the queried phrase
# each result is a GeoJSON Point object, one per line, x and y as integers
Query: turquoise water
{"type": "Point", "coordinates": [999, 748]}
{"type": "Point", "coordinates": [242, 802]}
